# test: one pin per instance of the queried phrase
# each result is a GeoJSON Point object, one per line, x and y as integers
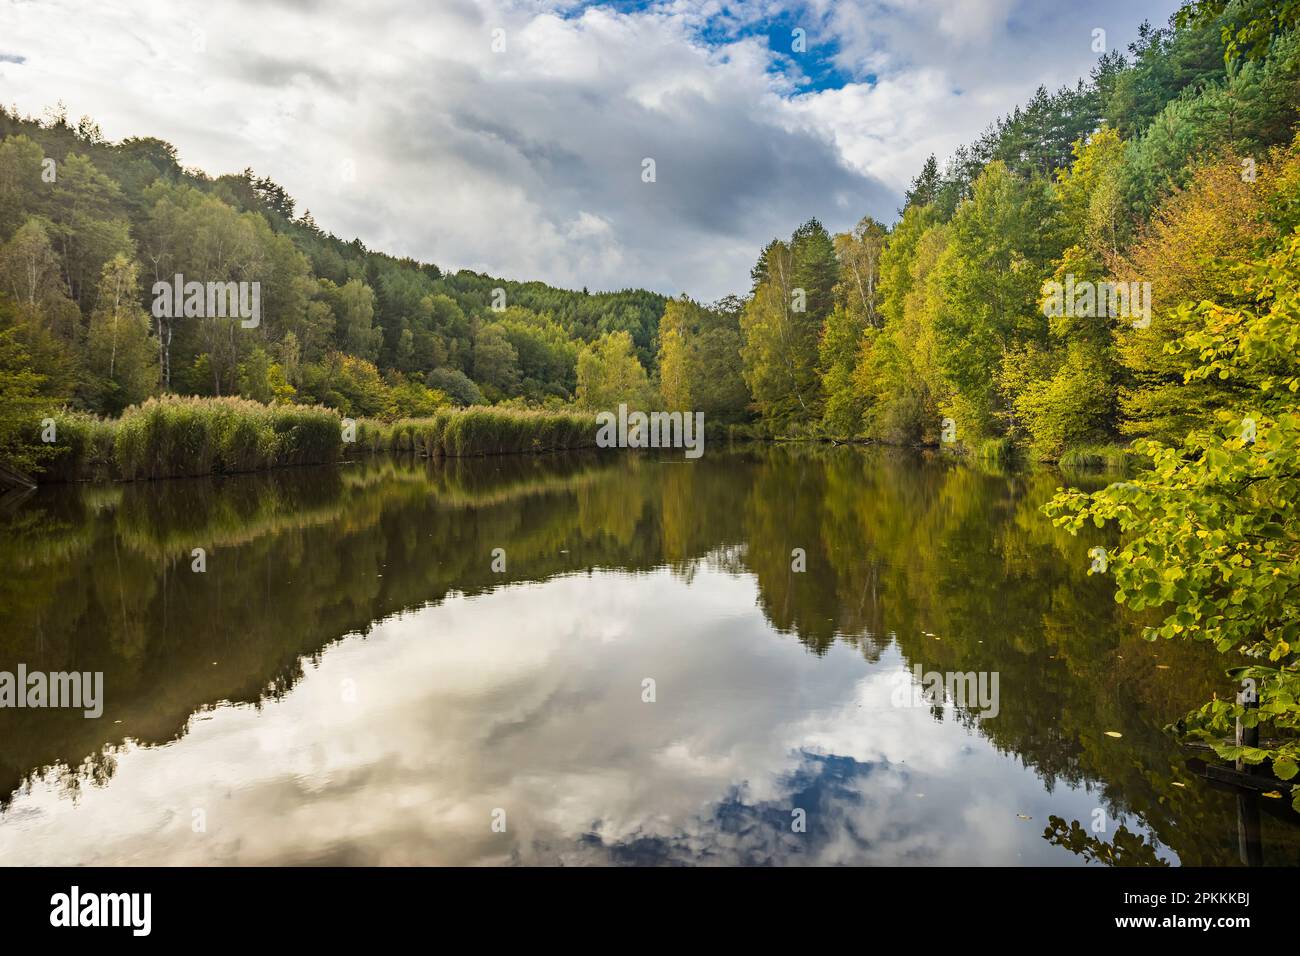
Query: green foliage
{"type": "Point", "coordinates": [1164, 63]}
{"type": "Point", "coordinates": [1248, 28]}
{"type": "Point", "coordinates": [122, 362]}
{"type": "Point", "coordinates": [173, 436]}
{"type": "Point", "coordinates": [990, 273]}
{"type": "Point", "coordinates": [496, 362]}
{"type": "Point", "coordinates": [350, 384]}
{"type": "Point", "coordinates": [1134, 174]}
{"type": "Point", "coordinates": [409, 398]}
{"type": "Point", "coordinates": [1089, 194]}
{"type": "Point", "coordinates": [184, 437]}
{"type": "Point", "coordinates": [1094, 458]}
{"type": "Point", "coordinates": [1245, 112]}
{"type": "Point", "coordinates": [995, 450]}
{"type": "Point", "coordinates": [1167, 170]}
{"type": "Point", "coordinates": [609, 373]}
{"type": "Point", "coordinates": [782, 325]}
{"type": "Point", "coordinates": [699, 360]}
{"type": "Point", "coordinates": [838, 353]}
{"type": "Point", "coordinates": [456, 385]}
{"type": "Point", "coordinates": [1069, 404]}
{"type": "Point", "coordinates": [491, 431]}
{"type": "Point", "coordinates": [544, 354]}
{"type": "Point", "coordinates": [322, 299]}
{"type": "Point", "coordinates": [1193, 249]}
{"type": "Point", "coordinates": [83, 447]}
{"type": "Point", "coordinates": [353, 307]}
{"type": "Point", "coordinates": [20, 397]}
{"type": "Point", "coordinates": [1209, 531]}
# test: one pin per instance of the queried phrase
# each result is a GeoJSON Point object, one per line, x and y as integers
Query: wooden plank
{"type": "Point", "coordinates": [13, 478]}
{"type": "Point", "coordinates": [1201, 747]}
{"type": "Point", "coordinates": [1258, 783]}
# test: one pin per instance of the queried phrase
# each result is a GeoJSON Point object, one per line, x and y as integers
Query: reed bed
{"type": "Point", "coordinates": [175, 436]}
{"type": "Point", "coordinates": [477, 431]}
{"type": "Point", "coordinates": [995, 451]}
{"type": "Point", "coordinates": [1095, 458]}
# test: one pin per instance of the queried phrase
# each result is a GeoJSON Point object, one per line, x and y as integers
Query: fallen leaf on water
{"type": "Point", "coordinates": [1113, 733]}
{"type": "Point", "coordinates": [1275, 794]}
{"type": "Point", "coordinates": [1177, 784]}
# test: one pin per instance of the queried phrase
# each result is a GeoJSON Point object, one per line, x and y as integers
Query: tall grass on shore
{"type": "Point", "coordinates": [476, 431]}
{"type": "Point", "coordinates": [173, 436]}
{"type": "Point", "coordinates": [994, 451]}
{"type": "Point", "coordinates": [83, 445]}
{"type": "Point", "coordinates": [1095, 458]}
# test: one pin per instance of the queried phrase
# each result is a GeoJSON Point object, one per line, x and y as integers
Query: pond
{"type": "Point", "coordinates": [789, 655]}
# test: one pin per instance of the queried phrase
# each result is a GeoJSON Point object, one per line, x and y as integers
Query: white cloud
{"type": "Point", "coordinates": [456, 709]}
{"type": "Point", "coordinates": [527, 163]}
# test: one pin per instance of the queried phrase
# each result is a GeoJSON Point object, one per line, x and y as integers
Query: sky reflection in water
{"type": "Point", "coordinates": [452, 695]}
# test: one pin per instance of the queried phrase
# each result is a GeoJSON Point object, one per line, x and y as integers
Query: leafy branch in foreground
{"type": "Point", "coordinates": [1209, 530]}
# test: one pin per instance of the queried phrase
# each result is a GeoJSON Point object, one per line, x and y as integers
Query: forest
{"type": "Point", "coordinates": [88, 227]}
{"type": "Point", "coordinates": [1173, 166]}
{"type": "Point", "coordinates": [986, 320]}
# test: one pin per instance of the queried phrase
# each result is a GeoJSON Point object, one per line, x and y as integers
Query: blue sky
{"type": "Point", "coordinates": [411, 128]}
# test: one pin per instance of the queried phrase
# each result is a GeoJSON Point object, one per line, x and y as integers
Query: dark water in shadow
{"type": "Point", "coordinates": [350, 681]}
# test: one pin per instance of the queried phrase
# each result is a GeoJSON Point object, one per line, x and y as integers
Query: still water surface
{"type": "Point", "coordinates": [349, 681]}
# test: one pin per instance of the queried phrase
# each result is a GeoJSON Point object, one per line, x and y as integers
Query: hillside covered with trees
{"type": "Point", "coordinates": [87, 227]}
{"type": "Point", "coordinates": [1173, 165]}
{"type": "Point", "coordinates": [1172, 168]}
